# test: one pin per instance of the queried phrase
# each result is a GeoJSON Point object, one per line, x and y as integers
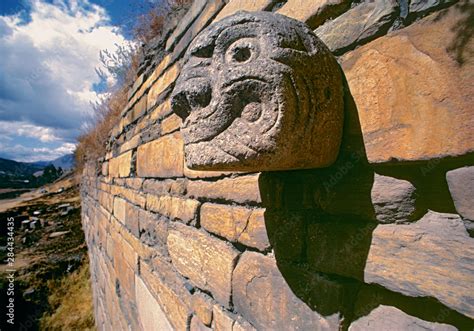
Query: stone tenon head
{"type": "Point", "coordinates": [259, 92]}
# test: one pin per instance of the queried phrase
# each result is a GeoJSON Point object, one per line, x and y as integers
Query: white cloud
{"type": "Point", "coordinates": [48, 67]}
{"type": "Point", "coordinates": [32, 154]}
{"type": "Point", "coordinates": [23, 129]}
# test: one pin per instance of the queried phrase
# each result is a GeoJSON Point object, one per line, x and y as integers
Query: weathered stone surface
{"type": "Point", "coordinates": [206, 261]}
{"type": "Point", "coordinates": [314, 12]}
{"type": "Point", "coordinates": [259, 91]}
{"type": "Point", "coordinates": [207, 14]}
{"type": "Point", "coordinates": [393, 199]}
{"type": "Point", "coordinates": [237, 224]}
{"type": "Point", "coordinates": [170, 124]}
{"type": "Point", "coordinates": [242, 325]}
{"type": "Point", "coordinates": [173, 207]}
{"type": "Point", "coordinates": [235, 5]}
{"type": "Point", "coordinates": [164, 187]}
{"type": "Point", "coordinates": [242, 189]}
{"type": "Point", "coordinates": [163, 110]}
{"type": "Point", "coordinates": [461, 186]}
{"type": "Point", "coordinates": [334, 246]}
{"type": "Point", "coordinates": [202, 306]}
{"type": "Point", "coordinates": [133, 196]}
{"type": "Point", "coordinates": [134, 183]}
{"type": "Point", "coordinates": [136, 112]}
{"type": "Point", "coordinates": [106, 200]}
{"type": "Point", "coordinates": [136, 85]}
{"type": "Point", "coordinates": [193, 12]}
{"type": "Point", "coordinates": [223, 320]}
{"type": "Point", "coordinates": [120, 165]}
{"type": "Point", "coordinates": [151, 316]}
{"type": "Point", "coordinates": [125, 272]}
{"type": "Point", "coordinates": [153, 229]}
{"type": "Point", "coordinates": [197, 325]}
{"type": "Point", "coordinates": [204, 174]}
{"type": "Point", "coordinates": [262, 295]}
{"type": "Point", "coordinates": [419, 6]}
{"type": "Point", "coordinates": [127, 214]}
{"type": "Point", "coordinates": [386, 318]}
{"type": "Point", "coordinates": [105, 168]}
{"type": "Point", "coordinates": [150, 80]}
{"type": "Point", "coordinates": [393, 76]}
{"type": "Point", "coordinates": [162, 157]}
{"type": "Point", "coordinates": [130, 144]}
{"type": "Point", "coordinates": [432, 257]}
{"type": "Point", "coordinates": [176, 310]}
{"type": "Point", "coordinates": [165, 80]}
{"type": "Point", "coordinates": [359, 24]}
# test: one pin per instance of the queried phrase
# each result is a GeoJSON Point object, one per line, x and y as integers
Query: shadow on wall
{"type": "Point", "coordinates": [320, 224]}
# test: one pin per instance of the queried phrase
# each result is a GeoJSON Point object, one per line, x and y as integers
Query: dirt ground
{"type": "Point", "coordinates": [51, 263]}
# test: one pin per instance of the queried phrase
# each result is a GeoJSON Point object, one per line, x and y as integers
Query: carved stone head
{"type": "Point", "coordinates": [259, 92]}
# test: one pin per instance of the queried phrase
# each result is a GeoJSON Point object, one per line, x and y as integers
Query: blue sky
{"type": "Point", "coordinates": [49, 51]}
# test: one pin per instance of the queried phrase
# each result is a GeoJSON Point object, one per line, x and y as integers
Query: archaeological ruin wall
{"type": "Point", "coordinates": [294, 185]}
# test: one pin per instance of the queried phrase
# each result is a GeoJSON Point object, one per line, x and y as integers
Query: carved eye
{"type": "Point", "coordinates": [203, 51]}
{"type": "Point", "coordinates": [241, 54]}
{"type": "Point", "coordinates": [242, 51]}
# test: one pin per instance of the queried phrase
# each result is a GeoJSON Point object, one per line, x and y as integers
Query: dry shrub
{"type": "Point", "coordinates": [92, 144]}
{"type": "Point", "coordinates": [151, 24]}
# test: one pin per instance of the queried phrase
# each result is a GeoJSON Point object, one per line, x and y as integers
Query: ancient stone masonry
{"type": "Point", "coordinates": [257, 182]}
{"type": "Point", "coordinates": [259, 91]}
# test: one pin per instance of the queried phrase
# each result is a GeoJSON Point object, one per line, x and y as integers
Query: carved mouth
{"type": "Point", "coordinates": [206, 123]}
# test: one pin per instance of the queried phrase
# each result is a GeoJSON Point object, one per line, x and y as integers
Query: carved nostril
{"type": "Point", "coordinates": [190, 95]}
{"type": "Point", "coordinates": [180, 105]}
{"type": "Point", "coordinates": [199, 94]}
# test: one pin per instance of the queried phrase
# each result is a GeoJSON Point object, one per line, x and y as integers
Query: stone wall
{"type": "Point", "coordinates": [377, 241]}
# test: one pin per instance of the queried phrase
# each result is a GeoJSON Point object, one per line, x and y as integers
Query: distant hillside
{"type": "Point", "coordinates": [66, 162]}
{"type": "Point", "coordinates": [14, 168]}
{"type": "Point", "coordinates": [15, 174]}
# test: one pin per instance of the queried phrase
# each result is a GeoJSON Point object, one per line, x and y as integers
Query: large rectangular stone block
{"type": "Point", "coordinates": [127, 214]}
{"type": "Point", "coordinates": [150, 80]}
{"type": "Point", "coordinates": [404, 116]}
{"type": "Point", "coordinates": [262, 295]}
{"type": "Point", "coordinates": [124, 271]}
{"type": "Point", "coordinates": [166, 79]}
{"type": "Point", "coordinates": [234, 6]}
{"type": "Point", "coordinates": [150, 314]}
{"type": "Point", "coordinates": [163, 157]}
{"type": "Point", "coordinates": [208, 262]}
{"type": "Point", "coordinates": [163, 110]}
{"type": "Point", "coordinates": [177, 312]}
{"type": "Point", "coordinates": [173, 207]}
{"type": "Point", "coordinates": [242, 189]}
{"type": "Point", "coordinates": [314, 12]}
{"type": "Point", "coordinates": [238, 224]}
{"type": "Point", "coordinates": [430, 258]}
{"type": "Point", "coordinates": [106, 200]}
{"type": "Point", "coordinates": [120, 165]}
{"type": "Point", "coordinates": [133, 196]}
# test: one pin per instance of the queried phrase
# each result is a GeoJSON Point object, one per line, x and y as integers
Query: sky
{"type": "Point", "coordinates": [49, 53]}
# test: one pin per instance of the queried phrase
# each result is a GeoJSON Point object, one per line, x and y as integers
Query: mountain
{"type": "Point", "coordinates": [14, 168]}
{"type": "Point", "coordinates": [15, 174]}
{"type": "Point", "coordinates": [66, 162]}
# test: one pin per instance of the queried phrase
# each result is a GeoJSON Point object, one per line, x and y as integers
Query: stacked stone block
{"type": "Point", "coordinates": [377, 241]}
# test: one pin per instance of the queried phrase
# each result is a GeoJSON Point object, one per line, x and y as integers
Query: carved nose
{"type": "Point", "coordinates": [191, 95]}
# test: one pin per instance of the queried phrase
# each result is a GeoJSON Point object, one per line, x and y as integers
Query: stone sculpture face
{"type": "Point", "coordinates": [259, 92]}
